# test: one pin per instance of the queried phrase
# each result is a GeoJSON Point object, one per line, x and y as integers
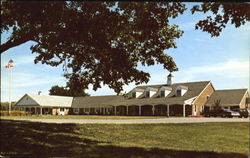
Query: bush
{"type": "Point", "coordinates": [13, 113]}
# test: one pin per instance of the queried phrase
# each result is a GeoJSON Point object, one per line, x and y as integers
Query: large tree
{"type": "Point", "coordinates": [62, 91]}
{"type": "Point", "coordinates": [103, 42]}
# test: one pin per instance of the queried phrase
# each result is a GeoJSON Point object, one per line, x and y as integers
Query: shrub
{"type": "Point", "coordinates": [13, 113]}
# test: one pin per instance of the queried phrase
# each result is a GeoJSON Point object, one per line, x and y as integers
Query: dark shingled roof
{"type": "Point", "coordinates": [95, 101]}
{"type": "Point", "coordinates": [194, 89]}
{"type": "Point", "coordinates": [227, 97]}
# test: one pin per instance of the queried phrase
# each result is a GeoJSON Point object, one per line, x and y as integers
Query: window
{"type": "Point", "coordinates": [134, 95]}
{"type": "Point", "coordinates": [61, 109]}
{"type": "Point", "coordinates": [147, 94]}
{"type": "Point", "coordinates": [76, 110]}
{"type": "Point", "coordinates": [178, 92]}
{"type": "Point", "coordinates": [162, 93]}
{"type": "Point", "coordinates": [46, 110]}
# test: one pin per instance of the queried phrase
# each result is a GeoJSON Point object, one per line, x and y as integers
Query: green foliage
{"type": "Point", "coordinates": [236, 13]}
{"type": "Point", "coordinates": [13, 113]}
{"type": "Point", "coordinates": [99, 42]}
{"type": "Point", "coordinates": [104, 42]}
{"type": "Point", "coordinates": [62, 91]}
{"type": "Point", "coordinates": [4, 106]}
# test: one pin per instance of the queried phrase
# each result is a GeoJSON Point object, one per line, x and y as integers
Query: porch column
{"type": "Point", "coordinates": [127, 110]}
{"type": "Point", "coordinates": [41, 111]}
{"type": "Point", "coordinates": [168, 110]}
{"type": "Point", "coordinates": [139, 110]}
{"type": "Point", "coordinates": [35, 110]}
{"type": "Point", "coordinates": [184, 110]}
{"type": "Point", "coordinates": [153, 110]}
{"type": "Point", "coordinates": [104, 111]}
{"type": "Point", "coordinates": [115, 110]}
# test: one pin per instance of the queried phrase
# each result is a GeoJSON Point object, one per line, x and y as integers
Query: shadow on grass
{"type": "Point", "coordinates": [28, 139]}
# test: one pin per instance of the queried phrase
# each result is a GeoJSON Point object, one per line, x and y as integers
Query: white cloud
{"type": "Point", "coordinates": [229, 69]}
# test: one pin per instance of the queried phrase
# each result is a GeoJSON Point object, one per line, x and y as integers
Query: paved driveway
{"type": "Point", "coordinates": [134, 121]}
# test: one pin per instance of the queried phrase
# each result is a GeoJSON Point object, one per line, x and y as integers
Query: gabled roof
{"type": "Point", "coordinates": [166, 88]}
{"type": "Point", "coordinates": [152, 89]}
{"type": "Point", "coordinates": [227, 97]}
{"type": "Point", "coordinates": [47, 100]}
{"type": "Point", "coordinates": [194, 89]}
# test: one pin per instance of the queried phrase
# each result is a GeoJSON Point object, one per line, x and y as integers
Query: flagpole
{"type": "Point", "coordinates": [10, 66]}
{"type": "Point", "coordinates": [10, 87]}
{"type": "Point", "coordinates": [9, 90]}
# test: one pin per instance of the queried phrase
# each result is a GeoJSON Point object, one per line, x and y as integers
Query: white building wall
{"type": "Point", "coordinates": [26, 101]}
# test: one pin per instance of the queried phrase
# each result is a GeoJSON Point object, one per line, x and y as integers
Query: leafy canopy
{"type": "Point", "coordinates": [62, 91]}
{"type": "Point", "coordinates": [103, 42]}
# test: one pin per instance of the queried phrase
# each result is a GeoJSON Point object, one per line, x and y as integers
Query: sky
{"type": "Point", "coordinates": [223, 60]}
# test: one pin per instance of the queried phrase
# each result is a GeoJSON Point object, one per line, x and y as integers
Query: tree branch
{"type": "Point", "coordinates": [13, 43]}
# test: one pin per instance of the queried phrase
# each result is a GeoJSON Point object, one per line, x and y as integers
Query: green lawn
{"type": "Point", "coordinates": [26, 139]}
{"type": "Point", "coordinates": [81, 117]}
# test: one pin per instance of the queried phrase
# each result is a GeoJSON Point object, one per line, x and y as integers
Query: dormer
{"type": "Point", "coordinates": [164, 91]}
{"type": "Point", "coordinates": [136, 92]}
{"type": "Point", "coordinates": [181, 90]}
{"type": "Point", "coordinates": [149, 92]}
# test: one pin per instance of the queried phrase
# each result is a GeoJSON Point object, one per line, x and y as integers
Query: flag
{"type": "Point", "coordinates": [10, 64]}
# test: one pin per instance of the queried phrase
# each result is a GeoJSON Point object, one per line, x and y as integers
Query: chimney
{"type": "Point", "coordinates": [39, 92]}
{"type": "Point", "coordinates": [170, 79]}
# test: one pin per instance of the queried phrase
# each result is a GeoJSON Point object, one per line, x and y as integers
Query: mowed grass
{"type": "Point", "coordinates": [26, 139]}
{"type": "Point", "coordinates": [81, 117]}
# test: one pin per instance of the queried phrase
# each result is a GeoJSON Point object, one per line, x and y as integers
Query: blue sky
{"type": "Point", "coordinates": [224, 60]}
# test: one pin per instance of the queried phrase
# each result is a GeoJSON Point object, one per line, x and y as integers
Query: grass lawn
{"type": "Point", "coordinates": [82, 117]}
{"type": "Point", "coordinates": [215, 140]}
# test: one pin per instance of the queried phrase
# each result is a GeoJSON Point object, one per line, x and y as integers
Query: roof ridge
{"type": "Point", "coordinates": [48, 95]}
{"type": "Point", "coordinates": [172, 84]}
{"type": "Point", "coordinates": [231, 89]}
{"type": "Point", "coordinates": [99, 96]}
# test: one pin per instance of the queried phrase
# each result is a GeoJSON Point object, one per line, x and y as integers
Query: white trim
{"type": "Point", "coordinates": [190, 100]}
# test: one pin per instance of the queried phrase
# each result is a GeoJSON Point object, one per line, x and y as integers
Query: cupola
{"type": "Point", "coordinates": [170, 79]}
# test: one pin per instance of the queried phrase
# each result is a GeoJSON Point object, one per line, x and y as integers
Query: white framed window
{"type": "Point", "coordinates": [162, 93]}
{"type": "Point", "coordinates": [134, 95]}
{"type": "Point", "coordinates": [76, 110]}
{"type": "Point", "coordinates": [61, 109]}
{"type": "Point", "coordinates": [178, 92]}
{"type": "Point", "coordinates": [147, 94]}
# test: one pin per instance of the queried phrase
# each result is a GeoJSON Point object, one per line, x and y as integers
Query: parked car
{"type": "Point", "coordinates": [244, 112]}
{"type": "Point", "coordinates": [222, 113]}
